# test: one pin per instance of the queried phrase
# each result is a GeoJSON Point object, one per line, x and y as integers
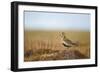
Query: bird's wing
{"type": "Point", "coordinates": [66, 45]}
{"type": "Point", "coordinates": [68, 41]}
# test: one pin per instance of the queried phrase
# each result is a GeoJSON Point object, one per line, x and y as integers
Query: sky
{"type": "Point", "coordinates": [34, 20]}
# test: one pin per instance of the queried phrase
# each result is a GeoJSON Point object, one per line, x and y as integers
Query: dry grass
{"type": "Point", "coordinates": [41, 45]}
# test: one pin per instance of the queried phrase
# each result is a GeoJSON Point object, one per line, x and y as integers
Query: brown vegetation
{"type": "Point", "coordinates": [40, 46]}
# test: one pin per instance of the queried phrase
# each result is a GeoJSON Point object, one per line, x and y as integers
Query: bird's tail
{"type": "Point", "coordinates": [76, 43]}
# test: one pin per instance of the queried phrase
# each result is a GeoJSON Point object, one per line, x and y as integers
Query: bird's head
{"type": "Point", "coordinates": [63, 35]}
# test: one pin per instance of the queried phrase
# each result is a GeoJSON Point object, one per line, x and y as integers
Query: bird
{"type": "Point", "coordinates": [66, 42]}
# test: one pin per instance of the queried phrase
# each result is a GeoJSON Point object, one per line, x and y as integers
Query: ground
{"type": "Point", "coordinates": [47, 45]}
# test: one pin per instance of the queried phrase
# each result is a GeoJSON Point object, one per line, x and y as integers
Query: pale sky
{"type": "Point", "coordinates": [56, 21]}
